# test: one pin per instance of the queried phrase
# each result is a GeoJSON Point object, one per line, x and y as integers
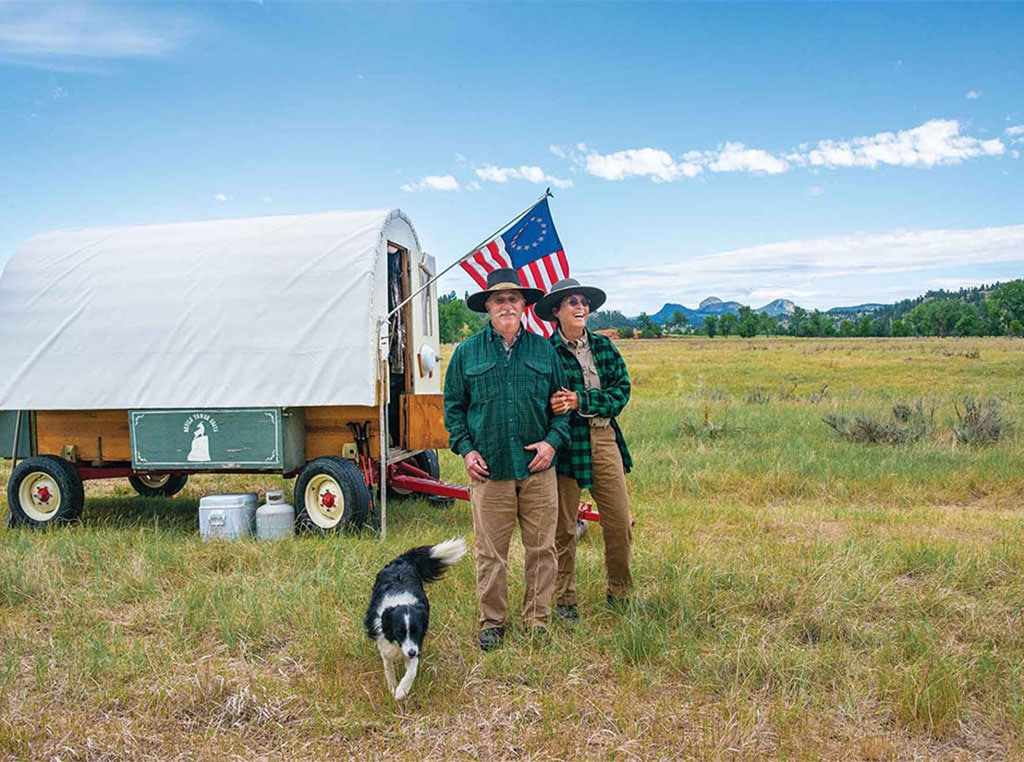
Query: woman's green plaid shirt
{"type": "Point", "coordinates": [607, 402]}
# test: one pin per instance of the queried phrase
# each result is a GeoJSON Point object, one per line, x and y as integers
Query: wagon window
{"type": "Point", "coordinates": [428, 302]}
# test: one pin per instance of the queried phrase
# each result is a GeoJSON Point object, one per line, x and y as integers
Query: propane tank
{"type": "Point", "coordinates": [275, 519]}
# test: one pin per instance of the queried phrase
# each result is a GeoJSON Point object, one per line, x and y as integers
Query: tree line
{"type": "Point", "coordinates": [996, 310]}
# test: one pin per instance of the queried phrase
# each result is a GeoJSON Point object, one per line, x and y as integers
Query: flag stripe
{"type": "Point", "coordinates": [498, 256]}
{"type": "Point", "coordinates": [563, 262]}
{"type": "Point", "coordinates": [549, 265]}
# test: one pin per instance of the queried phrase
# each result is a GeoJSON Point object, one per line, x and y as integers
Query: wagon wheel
{"type": "Point", "coordinates": [45, 490]}
{"type": "Point", "coordinates": [158, 485]}
{"type": "Point", "coordinates": [330, 494]}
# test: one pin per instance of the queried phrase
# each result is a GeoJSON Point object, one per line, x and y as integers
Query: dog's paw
{"type": "Point", "coordinates": [401, 694]}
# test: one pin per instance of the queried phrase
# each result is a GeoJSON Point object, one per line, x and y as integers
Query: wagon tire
{"type": "Point", "coordinates": [581, 528]}
{"type": "Point", "coordinates": [330, 495]}
{"type": "Point", "coordinates": [45, 490]}
{"type": "Point", "coordinates": [158, 485]}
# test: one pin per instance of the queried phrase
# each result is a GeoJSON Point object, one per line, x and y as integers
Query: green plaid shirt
{"type": "Point", "coordinates": [497, 404]}
{"type": "Point", "coordinates": [607, 402]}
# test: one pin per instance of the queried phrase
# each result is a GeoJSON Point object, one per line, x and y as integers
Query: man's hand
{"type": "Point", "coordinates": [542, 460]}
{"type": "Point", "coordinates": [563, 401]}
{"type": "Point", "coordinates": [476, 466]}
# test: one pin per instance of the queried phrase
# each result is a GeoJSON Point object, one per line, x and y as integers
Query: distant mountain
{"type": "Point", "coordinates": [667, 314]}
{"type": "Point", "coordinates": [780, 308]}
{"type": "Point", "coordinates": [715, 306]}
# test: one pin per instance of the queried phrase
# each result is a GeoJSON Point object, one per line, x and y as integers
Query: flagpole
{"type": "Point", "coordinates": [495, 234]}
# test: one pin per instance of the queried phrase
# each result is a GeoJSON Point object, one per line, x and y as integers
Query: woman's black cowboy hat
{"type": "Point", "coordinates": [563, 288]}
{"type": "Point", "coordinates": [502, 279]}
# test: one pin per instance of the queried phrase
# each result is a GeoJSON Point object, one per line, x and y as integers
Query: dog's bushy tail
{"type": "Point", "coordinates": [431, 561]}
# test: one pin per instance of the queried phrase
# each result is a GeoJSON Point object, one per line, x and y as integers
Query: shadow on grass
{"type": "Point", "coordinates": [181, 514]}
{"type": "Point", "coordinates": [167, 514]}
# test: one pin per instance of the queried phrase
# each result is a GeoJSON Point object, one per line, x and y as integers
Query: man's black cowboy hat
{"type": "Point", "coordinates": [502, 279]}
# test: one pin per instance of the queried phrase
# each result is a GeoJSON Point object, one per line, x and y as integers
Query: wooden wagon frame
{"type": "Point", "coordinates": [302, 345]}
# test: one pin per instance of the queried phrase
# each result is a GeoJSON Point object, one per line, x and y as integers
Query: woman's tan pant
{"type": "Point", "coordinates": [609, 492]}
{"type": "Point", "coordinates": [497, 506]}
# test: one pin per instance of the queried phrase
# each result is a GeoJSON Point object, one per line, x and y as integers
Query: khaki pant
{"type": "Point", "coordinates": [497, 506]}
{"type": "Point", "coordinates": [609, 492]}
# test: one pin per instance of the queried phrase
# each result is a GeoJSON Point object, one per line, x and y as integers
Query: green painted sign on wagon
{"type": "Point", "coordinates": [219, 439]}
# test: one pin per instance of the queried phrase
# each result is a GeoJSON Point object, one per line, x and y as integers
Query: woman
{"type": "Point", "coordinates": [597, 457]}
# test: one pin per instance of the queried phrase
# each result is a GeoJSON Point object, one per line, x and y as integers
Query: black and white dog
{"type": "Point", "coordinates": [399, 612]}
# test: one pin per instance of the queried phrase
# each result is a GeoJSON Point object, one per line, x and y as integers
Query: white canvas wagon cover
{"type": "Point", "coordinates": [268, 311]}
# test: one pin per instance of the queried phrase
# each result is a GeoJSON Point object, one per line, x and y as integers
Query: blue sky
{"type": "Point", "coordinates": [831, 154]}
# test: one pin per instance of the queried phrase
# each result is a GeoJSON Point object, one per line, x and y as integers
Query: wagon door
{"type": "Point", "coordinates": [416, 413]}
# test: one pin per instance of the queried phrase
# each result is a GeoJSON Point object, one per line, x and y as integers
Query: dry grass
{"type": "Point", "coordinates": [814, 599]}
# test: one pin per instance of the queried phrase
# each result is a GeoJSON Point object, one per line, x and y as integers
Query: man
{"type": "Point", "coordinates": [496, 411]}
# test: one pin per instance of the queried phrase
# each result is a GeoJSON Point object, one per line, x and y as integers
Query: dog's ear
{"type": "Point", "coordinates": [387, 624]}
{"type": "Point", "coordinates": [425, 612]}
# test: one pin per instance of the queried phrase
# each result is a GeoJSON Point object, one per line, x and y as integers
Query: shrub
{"type": "Point", "coordinates": [755, 396]}
{"type": "Point", "coordinates": [919, 421]}
{"type": "Point", "coordinates": [980, 423]}
{"type": "Point", "coordinates": [911, 422]}
{"type": "Point", "coordinates": [867, 430]}
{"type": "Point", "coordinates": [819, 395]}
{"type": "Point", "coordinates": [704, 427]}
{"type": "Point", "coordinates": [788, 394]}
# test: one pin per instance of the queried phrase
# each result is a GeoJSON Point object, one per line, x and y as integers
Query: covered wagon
{"type": "Point", "coordinates": [302, 345]}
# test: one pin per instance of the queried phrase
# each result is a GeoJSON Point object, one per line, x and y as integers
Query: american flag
{"type": "Point", "coordinates": [531, 246]}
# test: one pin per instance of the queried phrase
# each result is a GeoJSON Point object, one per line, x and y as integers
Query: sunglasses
{"type": "Point", "coordinates": [507, 299]}
{"type": "Point", "coordinates": [577, 300]}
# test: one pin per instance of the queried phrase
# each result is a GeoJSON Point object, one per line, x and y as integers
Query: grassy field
{"type": "Point", "coordinates": [814, 597]}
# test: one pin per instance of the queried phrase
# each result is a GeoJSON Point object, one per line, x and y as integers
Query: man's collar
{"type": "Point", "coordinates": [493, 334]}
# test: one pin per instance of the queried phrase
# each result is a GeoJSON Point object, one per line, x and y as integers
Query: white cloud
{"type": "Point", "coordinates": [220, 197]}
{"type": "Point", "coordinates": [934, 143]}
{"type": "Point", "coordinates": [818, 273]}
{"type": "Point", "coordinates": [817, 191]}
{"type": "Point", "coordinates": [736, 157]}
{"type": "Point", "coordinates": [1015, 134]}
{"type": "Point", "coordinates": [530, 174]}
{"type": "Point", "coordinates": [637, 162]}
{"type": "Point", "coordinates": [433, 182]}
{"type": "Point", "coordinates": [61, 35]}
{"type": "Point", "coordinates": [472, 185]}
{"type": "Point", "coordinates": [973, 95]}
